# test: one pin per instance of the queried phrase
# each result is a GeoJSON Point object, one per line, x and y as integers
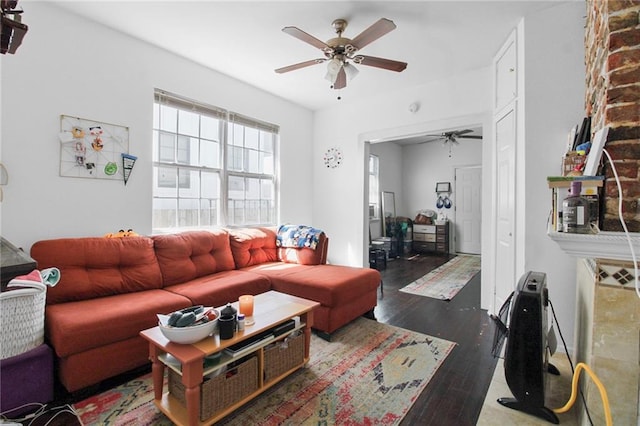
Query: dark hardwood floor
{"type": "Point", "coordinates": [456, 392]}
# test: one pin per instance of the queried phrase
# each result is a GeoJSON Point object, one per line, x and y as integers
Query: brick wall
{"type": "Point", "coordinates": [612, 58]}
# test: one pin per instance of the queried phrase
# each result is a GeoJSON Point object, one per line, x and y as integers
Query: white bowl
{"type": "Point", "coordinates": [190, 334]}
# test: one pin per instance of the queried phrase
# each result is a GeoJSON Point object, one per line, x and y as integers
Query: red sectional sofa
{"type": "Point", "coordinates": [112, 288]}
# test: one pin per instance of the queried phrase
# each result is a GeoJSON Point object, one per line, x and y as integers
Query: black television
{"type": "Point", "coordinates": [526, 356]}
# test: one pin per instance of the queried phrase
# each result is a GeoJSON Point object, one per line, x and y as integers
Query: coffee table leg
{"type": "Point", "coordinates": [193, 405]}
{"type": "Point", "coordinates": [308, 320]}
{"type": "Point", "coordinates": [157, 371]}
{"type": "Point", "coordinates": [192, 378]}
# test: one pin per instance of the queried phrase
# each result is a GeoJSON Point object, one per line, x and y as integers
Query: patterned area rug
{"type": "Point", "coordinates": [447, 280]}
{"type": "Point", "coordinates": [370, 373]}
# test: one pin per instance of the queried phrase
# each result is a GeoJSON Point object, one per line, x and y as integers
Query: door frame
{"type": "Point", "coordinates": [365, 139]}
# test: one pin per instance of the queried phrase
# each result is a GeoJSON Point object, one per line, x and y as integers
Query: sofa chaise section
{"type": "Point", "coordinates": [344, 292]}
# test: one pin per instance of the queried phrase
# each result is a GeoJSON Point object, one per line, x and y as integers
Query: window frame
{"type": "Point", "coordinates": [226, 121]}
{"type": "Point", "coordinates": [374, 181]}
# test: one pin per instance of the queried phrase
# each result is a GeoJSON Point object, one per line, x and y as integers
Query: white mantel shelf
{"type": "Point", "coordinates": [603, 245]}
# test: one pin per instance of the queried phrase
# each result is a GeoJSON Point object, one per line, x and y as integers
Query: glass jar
{"type": "Point", "coordinates": [575, 211]}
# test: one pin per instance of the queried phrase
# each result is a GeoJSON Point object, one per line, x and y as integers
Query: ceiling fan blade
{"type": "Point", "coordinates": [374, 32]}
{"type": "Point", "coordinates": [434, 138]}
{"type": "Point", "coordinates": [300, 65]}
{"type": "Point", "coordinates": [470, 137]}
{"type": "Point", "coordinates": [386, 64]}
{"type": "Point", "coordinates": [307, 38]}
{"type": "Point", "coordinates": [461, 132]}
{"type": "Point", "coordinates": [341, 80]}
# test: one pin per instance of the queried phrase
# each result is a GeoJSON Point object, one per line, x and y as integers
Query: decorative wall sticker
{"type": "Point", "coordinates": [128, 161]}
{"type": "Point", "coordinates": [96, 132]}
{"type": "Point", "coordinates": [110, 168]}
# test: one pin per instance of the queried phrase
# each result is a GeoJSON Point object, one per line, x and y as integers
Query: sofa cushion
{"type": "Point", "coordinates": [254, 246]}
{"type": "Point", "coordinates": [221, 288]}
{"type": "Point", "coordinates": [96, 267]}
{"type": "Point", "coordinates": [192, 254]}
{"type": "Point", "coordinates": [79, 326]}
{"type": "Point", "coordinates": [331, 285]}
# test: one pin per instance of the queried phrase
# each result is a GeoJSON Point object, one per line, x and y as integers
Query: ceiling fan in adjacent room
{"type": "Point", "coordinates": [451, 138]}
{"type": "Point", "coordinates": [341, 53]}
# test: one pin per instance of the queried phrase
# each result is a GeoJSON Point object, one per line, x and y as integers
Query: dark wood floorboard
{"type": "Point", "coordinates": [454, 395]}
{"type": "Point", "coordinates": [456, 392]}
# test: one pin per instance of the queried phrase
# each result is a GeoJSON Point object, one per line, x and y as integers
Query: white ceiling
{"type": "Point", "coordinates": [243, 39]}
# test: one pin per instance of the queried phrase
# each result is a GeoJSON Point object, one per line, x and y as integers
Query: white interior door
{"type": "Point", "coordinates": [468, 181]}
{"type": "Point", "coordinates": [505, 131]}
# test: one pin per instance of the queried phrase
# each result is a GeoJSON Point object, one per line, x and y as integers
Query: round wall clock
{"type": "Point", "coordinates": [333, 158]}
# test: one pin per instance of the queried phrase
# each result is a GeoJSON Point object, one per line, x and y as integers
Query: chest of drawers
{"type": "Point", "coordinates": [431, 238]}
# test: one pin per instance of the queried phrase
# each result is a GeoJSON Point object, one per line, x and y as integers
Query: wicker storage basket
{"type": "Point", "coordinates": [21, 320]}
{"type": "Point", "coordinates": [282, 356]}
{"type": "Point", "coordinates": [220, 392]}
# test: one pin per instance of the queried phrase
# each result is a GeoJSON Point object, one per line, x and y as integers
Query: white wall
{"type": "Point", "coordinates": [338, 193]}
{"type": "Point", "coordinates": [428, 163]}
{"type": "Point", "coordinates": [69, 65]}
{"type": "Point", "coordinates": [554, 101]}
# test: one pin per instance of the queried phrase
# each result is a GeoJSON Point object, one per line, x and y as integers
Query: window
{"type": "Point", "coordinates": [374, 187]}
{"type": "Point", "coordinates": [194, 187]}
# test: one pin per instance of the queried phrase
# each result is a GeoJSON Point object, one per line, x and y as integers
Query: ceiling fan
{"type": "Point", "coordinates": [341, 52]}
{"type": "Point", "coordinates": [451, 138]}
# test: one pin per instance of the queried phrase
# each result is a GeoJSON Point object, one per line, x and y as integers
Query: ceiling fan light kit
{"type": "Point", "coordinates": [333, 68]}
{"type": "Point", "coordinates": [340, 52]}
{"type": "Point", "coordinates": [351, 71]}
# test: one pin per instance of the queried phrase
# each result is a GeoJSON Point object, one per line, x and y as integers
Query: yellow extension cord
{"type": "Point", "coordinates": [574, 392]}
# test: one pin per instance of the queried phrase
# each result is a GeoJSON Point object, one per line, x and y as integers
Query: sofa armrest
{"type": "Point", "coordinates": [252, 246]}
{"type": "Point", "coordinates": [306, 256]}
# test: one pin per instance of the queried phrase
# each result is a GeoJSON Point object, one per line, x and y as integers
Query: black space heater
{"type": "Point", "coordinates": [526, 357]}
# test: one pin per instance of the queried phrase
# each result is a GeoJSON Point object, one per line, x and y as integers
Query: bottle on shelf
{"type": "Point", "coordinates": [575, 211]}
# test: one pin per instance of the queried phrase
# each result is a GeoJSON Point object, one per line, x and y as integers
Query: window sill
{"type": "Point", "coordinates": [604, 245]}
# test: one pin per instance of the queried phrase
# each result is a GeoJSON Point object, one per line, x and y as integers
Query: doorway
{"type": "Point", "coordinates": [468, 220]}
{"type": "Point", "coordinates": [412, 172]}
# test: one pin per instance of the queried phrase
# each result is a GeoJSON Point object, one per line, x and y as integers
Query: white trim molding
{"type": "Point", "coordinates": [603, 245]}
